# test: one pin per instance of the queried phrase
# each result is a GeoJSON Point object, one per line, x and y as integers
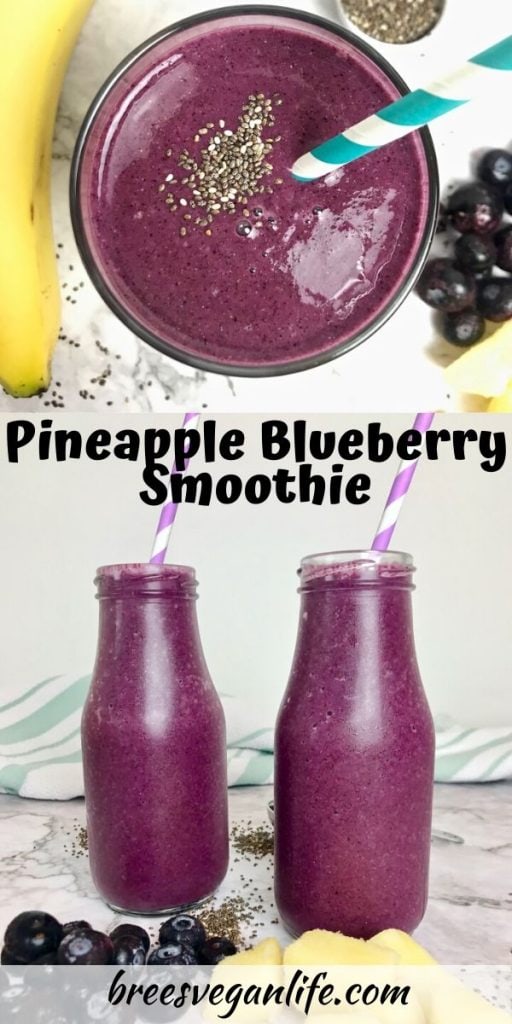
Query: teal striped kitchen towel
{"type": "Point", "coordinates": [40, 754]}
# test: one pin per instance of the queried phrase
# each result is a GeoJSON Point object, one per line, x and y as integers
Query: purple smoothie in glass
{"type": "Point", "coordinates": [154, 746]}
{"type": "Point", "coordinates": [278, 280]}
{"type": "Point", "coordinates": [354, 754]}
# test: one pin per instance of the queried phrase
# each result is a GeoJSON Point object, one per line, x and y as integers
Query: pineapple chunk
{"type": "Point", "coordinates": [267, 952]}
{"type": "Point", "coordinates": [349, 962]}
{"type": "Point", "coordinates": [451, 1001]}
{"type": "Point", "coordinates": [325, 948]}
{"type": "Point", "coordinates": [261, 966]}
{"type": "Point", "coordinates": [407, 950]}
{"type": "Point", "coordinates": [502, 403]}
{"type": "Point", "coordinates": [484, 369]}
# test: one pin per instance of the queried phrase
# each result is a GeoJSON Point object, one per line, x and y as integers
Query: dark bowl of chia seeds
{"type": "Point", "coordinates": [190, 223]}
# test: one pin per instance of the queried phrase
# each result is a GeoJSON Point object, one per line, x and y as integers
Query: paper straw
{"type": "Point", "coordinates": [401, 485]}
{"type": "Point", "coordinates": [169, 508]}
{"type": "Point", "coordinates": [410, 112]}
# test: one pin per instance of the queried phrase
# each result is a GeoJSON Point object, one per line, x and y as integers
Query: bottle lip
{"type": "Point", "coordinates": [145, 577]}
{"type": "Point", "coordinates": [134, 570]}
{"type": "Point", "coordinates": [347, 568]}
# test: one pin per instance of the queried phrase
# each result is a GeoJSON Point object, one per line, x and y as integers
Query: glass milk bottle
{"type": "Point", "coordinates": [154, 746]}
{"type": "Point", "coordinates": [354, 753]}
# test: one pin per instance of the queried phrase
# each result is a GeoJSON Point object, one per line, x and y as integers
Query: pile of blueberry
{"type": "Point", "coordinates": [465, 290]}
{"type": "Point", "coordinates": [35, 937]}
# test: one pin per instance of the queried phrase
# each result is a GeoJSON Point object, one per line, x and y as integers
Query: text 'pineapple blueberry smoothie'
{"type": "Point", "coordinates": [190, 222]}
{"type": "Point", "coordinates": [354, 753]}
{"type": "Point", "coordinates": [154, 746]}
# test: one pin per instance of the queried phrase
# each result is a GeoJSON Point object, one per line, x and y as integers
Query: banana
{"type": "Point", "coordinates": [38, 37]}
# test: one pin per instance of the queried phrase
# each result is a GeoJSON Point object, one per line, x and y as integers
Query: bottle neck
{"type": "Point", "coordinates": [148, 615]}
{"type": "Point", "coordinates": [355, 610]}
{"type": "Point", "coordinates": [144, 580]}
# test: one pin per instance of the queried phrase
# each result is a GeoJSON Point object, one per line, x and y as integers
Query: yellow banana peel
{"type": "Point", "coordinates": [38, 37]}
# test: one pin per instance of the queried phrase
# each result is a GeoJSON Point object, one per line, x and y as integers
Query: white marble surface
{"type": "Point", "coordinates": [468, 920]}
{"type": "Point", "coordinates": [399, 369]}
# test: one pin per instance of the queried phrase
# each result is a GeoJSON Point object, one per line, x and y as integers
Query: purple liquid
{"type": "Point", "coordinates": [354, 758]}
{"type": "Point", "coordinates": [154, 748]}
{"type": "Point", "coordinates": [321, 262]}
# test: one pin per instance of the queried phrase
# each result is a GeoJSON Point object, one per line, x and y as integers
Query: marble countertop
{"type": "Point", "coordinates": [399, 369]}
{"type": "Point", "coordinates": [469, 914]}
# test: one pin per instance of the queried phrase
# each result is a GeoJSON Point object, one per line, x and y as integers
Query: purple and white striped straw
{"type": "Point", "coordinates": [169, 508]}
{"type": "Point", "coordinates": [399, 489]}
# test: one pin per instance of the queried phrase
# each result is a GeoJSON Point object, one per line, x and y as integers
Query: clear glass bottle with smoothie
{"type": "Point", "coordinates": [154, 746]}
{"type": "Point", "coordinates": [354, 753]}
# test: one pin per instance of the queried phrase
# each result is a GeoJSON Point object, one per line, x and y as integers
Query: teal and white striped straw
{"type": "Point", "coordinates": [409, 112]}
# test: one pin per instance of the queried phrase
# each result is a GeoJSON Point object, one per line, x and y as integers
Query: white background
{"type": "Point", "coordinates": [61, 521]}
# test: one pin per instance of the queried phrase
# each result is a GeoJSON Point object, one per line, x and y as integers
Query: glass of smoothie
{"type": "Point", "coordinates": [354, 753]}
{"type": "Point", "coordinates": [154, 746]}
{"type": "Point", "coordinates": [189, 221]}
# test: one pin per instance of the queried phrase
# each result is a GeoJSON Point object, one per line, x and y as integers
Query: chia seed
{"type": "Point", "coordinates": [229, 169]}
{"type": "Point", "coordinates": [254, 842]}
{"type": "Point", "coordinates": [394, 21]}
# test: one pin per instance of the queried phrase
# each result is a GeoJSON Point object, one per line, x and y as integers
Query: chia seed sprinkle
{"type": "Point", "coordinates": [230, 168]}
{"type": "Point", "coordinates": [227, 918]}
{"type": "Point", "coordinates": [394, 21]}
{"type": "Point", "coordinates": [79, 842]}
{"type": "Point", "coordinates": [255, 841]}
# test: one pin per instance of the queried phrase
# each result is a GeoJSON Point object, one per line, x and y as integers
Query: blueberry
{"type": "Point", "coordinates": [7, 958]}
{"type": "Point", "coordinates": [134, 931]}
{"type": "Point", "coordinates": [495, 167]}
{"type": "Point", "coordinates": [475, 207]}
{"type": "Point", "coordinates": [128, 949]}
{"type": "Point", "coordinates": [31, 935]}
{"type": "Point", "coordinates": [475, 253]}
{"type": "Point", "coordinates": [444, 287]}
{"type": "Point", "coordinates": [214, 950]}
{"type": "Point", "coordinates": [182, 928]}
{"type": "Point", "coordinates": [48, 958]}
{"type": "Point", "coordinates": [503, 242]}
{"type": "Point", "coordinates": [173, 953]}
{"type": "Point", "coordinates": [508, 198]}
{"type": "Point", "coordinates": [442, 220]}
{"type": "Point", "coordinates": [494, 299]}
{"type": "Point", "coordinates": [76, 926]}
{"type": "Point", "coordinates": [482, 275]}
{"type": "Point", "coordinates": [464, 328]}
{"type": "Point", "coordinates": [86, 947]}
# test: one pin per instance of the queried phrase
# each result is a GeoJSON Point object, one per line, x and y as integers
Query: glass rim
{"type": "Point", "coordinates": [99, 280]}
{"type": "Point", "coordinates": [126, 572]}
{"type": "Point", "coordinates": [356, 570]}
{"type": "Point", "coordinates": [363, 557]}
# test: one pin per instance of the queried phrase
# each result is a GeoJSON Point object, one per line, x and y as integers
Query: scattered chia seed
{"type": "Point", "coordinates": [253, 842]}
{"type": "Point", "coordinates": [78, 841]}
{"type": "Point", "coordinates": [394, 21]}
{"type": "Point", "coordinates": [231, 165]}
